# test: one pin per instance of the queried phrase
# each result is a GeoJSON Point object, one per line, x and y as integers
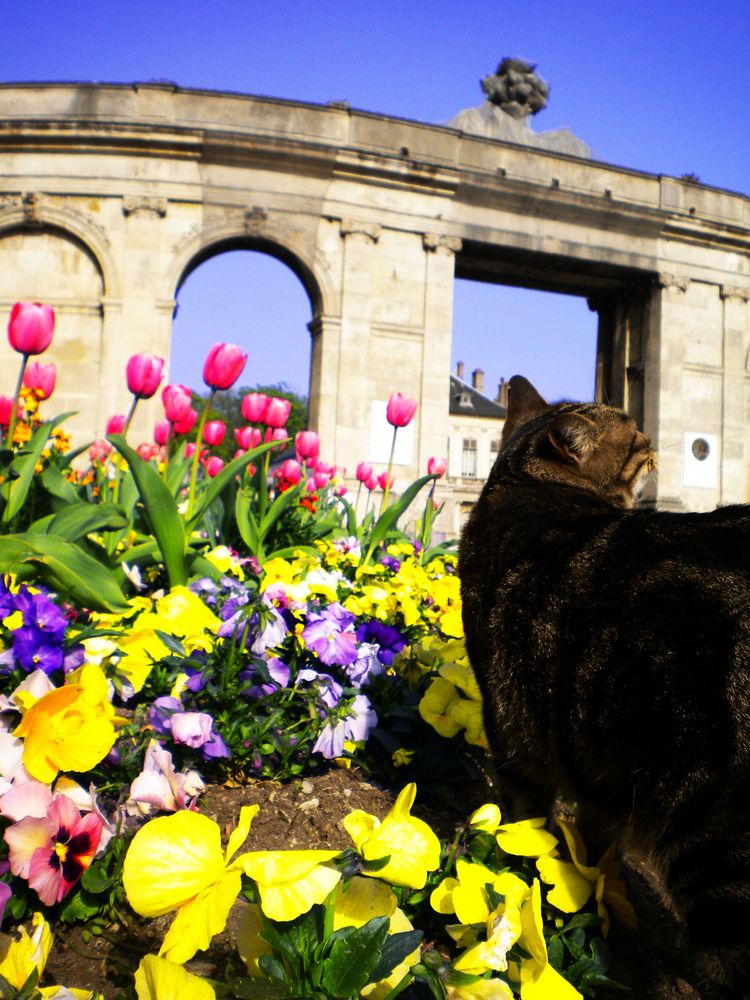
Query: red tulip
{"type": "Point", "coordinates": [307, 445]}
{"type": "Point", "coordinates": [400, 410]}
{"type": "Point", "coordinates": [214, 465]}
{"type": "Point", "coordinates": [176, 399]}
{"type": "Point", "coordinates": [248, 437]}
{"type": "Point", "coordinates": [384, 479]}
{"type": "Point", "coordinates": [436, 466]}
{"type": "Point", "coordinates": [144, 373]}
{"type": "Point", "coordinates": [214, 431]}
{"type": "Point", "coordinates": [161, 431]}
{"type": "Point", "coordinates": [291, 471]}
{"type": "Point", "coordinates": [40, 377]}
{"type": "Point", "coordinates": [6, 408]}
{"type": "Point", "coordinates": [254, 406]}
{"type": "Point", "coordinates": [277, 412]}
{"type": "Point", "coordinates": [115, 424]}
{"type": "Point", "coordinates": [364, 471]}
{"type": "Point", "coordinates": [223, 365]}
{"type": "Point", "coordinates": [187, 423]}
{"type": "Point", "coordinates": [30, 327]}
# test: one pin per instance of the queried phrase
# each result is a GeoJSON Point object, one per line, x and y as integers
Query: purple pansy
{"type": "Point", "coordinates": [387, 638]}
{"type": "Point", "coordinates": [331, 636]}
{"type": "Point", "coordinates": [355, 727]}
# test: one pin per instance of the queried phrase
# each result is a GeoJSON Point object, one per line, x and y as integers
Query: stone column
{"type": "Point", "coordinates": [325, 332]}
{"type": "Point", "coordinates": [735, 452]}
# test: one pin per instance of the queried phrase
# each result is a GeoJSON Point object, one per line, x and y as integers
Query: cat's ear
{"type": "Point", "coordinates": [573, 438]}
{"type": "Point", "coordinates": [524, 402]}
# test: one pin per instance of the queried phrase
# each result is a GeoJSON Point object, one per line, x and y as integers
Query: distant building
{"type": "Point", "coordinates": [475, 424]}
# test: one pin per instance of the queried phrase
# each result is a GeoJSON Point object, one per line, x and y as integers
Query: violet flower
{"type": "Point", "coordinates": [331, 636]}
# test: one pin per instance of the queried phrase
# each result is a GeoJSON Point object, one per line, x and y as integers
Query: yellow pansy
{"type": "Point", "coordinates": [408, 842]}
{"type": "Point", "coordinates": [504, 926]}
{"type": "Point", "coordinates": [250, 944]}
{"type": "Point", "coordinates": [481, 989]}
{"type": "Point", "coordinates": [527, 838]}
{"type": "Point", "coordinates": [64, 731]}
{"type": "Point", "coordinates": [19, 957]}
{"type": "Point", "coordinates": [451, 622]}
{"type": "Point", "coordinates": [436, 707]}
{"type": "Point", "coordinates": [290, 882]}
{"type": "Point", "coordinates": [539, 981]}
{"type": "Point", "coordinates": [466, 895]}
{"type": "Point", "coordinates": [96, 691]}
{"type": "Point", "coordinates": [176, 863]}
{"type": "Point", "coordinates": [486, 818]}
{"type": "Point", "coordinates": [469, 716]}
{"type": "Point", "coordinates": [222, 558]}
{"type": "Point", "coordinates": [159, 979]}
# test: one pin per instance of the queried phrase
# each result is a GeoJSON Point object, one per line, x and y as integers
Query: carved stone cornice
{"type": "Point", "coordinates": [432, 242]}
{"type": "Point", "coordinates": [368, 231]}
{"type": "Point", "coordinates": [133, 205]}
{"type": "Point", "coordinates": [734, 292]}
{"type": "Point", "coordinates": [675, 281]}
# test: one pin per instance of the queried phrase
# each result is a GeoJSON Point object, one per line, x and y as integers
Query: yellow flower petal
{"type": "Point", "coordinates": [171, 859]}
{"type": "Point", "coordinates": [486, 817]}
{"type": "Point", "coordinates": [249, 943]}
{"type": "Point", "coordinates": [238, 836]}
{"type": "Point", "coordinates": [160, 979]}
{"type": "Point", "coordinates": [527, 838]}
{"type": "Point", "coordinates": [289, 882]}
{"type": "Point", "coordinates": [571, 889]}
{"type": "Point", "coordinates": [360, 901]}
{"type": "Point", "coordinates": [441, 898]}
{"type": "Point", "coordinates": [198, 921]}
{"type": "Point", "coordinates": [19, 957]}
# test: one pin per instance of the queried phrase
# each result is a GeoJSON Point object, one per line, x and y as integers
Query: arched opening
{"type": "Point", "coordinates": [247, 297]}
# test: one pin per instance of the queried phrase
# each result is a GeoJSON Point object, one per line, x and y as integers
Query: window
{"type": "Point", "coordinates": [469, 459]}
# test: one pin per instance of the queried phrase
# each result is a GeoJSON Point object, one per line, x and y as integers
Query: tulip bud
{"type": "Point", "coordinates": [144, 373]}
{"type": "Point", "coordinates": [253, 407]}
{"type": "Point", "coordinates": [248, 437]}
{"type": "Point", "coordinates": [371, 483]}
{"type": "Point", "coordinates": [307, 445]}
{"type": "Point", "coordinates": [223, 365]}
{"type": "Point", "coordinates": [436, 466]}
{"type": "Point", "coordinates": [384, 479]}
{"type": "Point", "coordinates": [30, 327]}
{"type": "Point", "coordinates": [214, 431]}
{"type": "Point", "coordinates": [187, 423]}
{"type": "Point", "coordinates": [6, 408]}
{"type": "Point", "coordinates": [320, 479]}
{"type": "Point", "coordinates": [161, 431]}
{"type": "Point", "coordinates": [400, 410]}
{"type": "Point", "coordinates": [40, 377]}
{"type": "Point", "coordinates": [115, 424]}
{"type": "Point", "coordinates": [214, 465]}
{"type": "Point", "coordinates": [277, 412]}
{"type": "Point", "coordinates": [291, 471]}
{"type": "Point", "coordinates": [177, 400]}
{"type": "Point", "coordinates": [364, 471]}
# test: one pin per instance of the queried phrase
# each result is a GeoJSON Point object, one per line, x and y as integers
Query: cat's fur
{"type": "Point", "coordinates": [612, 647]}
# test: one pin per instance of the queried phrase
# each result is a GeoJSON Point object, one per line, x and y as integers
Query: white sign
{"type": "Point", "coordinates": [700, 460]}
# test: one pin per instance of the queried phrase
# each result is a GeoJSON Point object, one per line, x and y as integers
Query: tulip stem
{"type": "Point", "coordinates": [196, 454]}
{"type": "Point", "coordinates": [131, 411]}
{"type": "Point", "coordinates": [387, 489]}
{"type": "Point", "coordinates": [16, 397]}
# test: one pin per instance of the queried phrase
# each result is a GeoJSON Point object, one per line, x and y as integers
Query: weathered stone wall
{"type": "Point", "coordinates": [110, 195]}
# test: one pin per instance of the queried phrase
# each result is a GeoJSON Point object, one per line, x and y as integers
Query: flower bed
{"type": "Point", "coordinates": [170, 622]}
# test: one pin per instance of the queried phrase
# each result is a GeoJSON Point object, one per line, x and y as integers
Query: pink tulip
{"type": "Point", "coordinates": [254, 406]}
{"type": "Point", "coordinates": [176, 399]}
{"type": "Point", "coordinates": [30, 327]}
{"type": "Point", "coordinates": [307, 445]}
{"type": "Point", "coordinates": [99, 450]}
{"type": "Point", "coordinates": [40, 377]}
{"type": "Point", "coordinates": [189, 449]}
{"type": "Point", "coordinates": [310, 485]}
{"type": "Point", "coordinates": [223, 365]}
{"type": "Point", "coordinates": [187, 423]}
{"type": "Point", "coordinates": [277, 412]}
{"type": "Point", "coordinates": [214, 465]}
{"type": "Point", "coordinates": [147, 451]}
{"type": "Point", "coordinates": [363, 473]}
{"type": "Point", "coordinates": [321, 479]}
{"type": "Point", "coordinates": [384, 479]}
{"type": "Point", "coordinates": [436, 466]}
{"type": "Point", "coordinates": [214, 431]}
{"type": "Point", "coordinates": [6, 408]}
{"type": "Point", "coordinates": [291, 471]}
{"type": "Point", "coordinates": [371, 483]}
{"type": "Point", "coordinates": [248, 437]}
{"type": "Point", "coordinates": [144, 373]}
{"type": "Point", "coordinates": [161, 431]}
{"type": "Point", "coordinates": [400, 410]}
{"type": "Point", "coordinates": [115, 424]}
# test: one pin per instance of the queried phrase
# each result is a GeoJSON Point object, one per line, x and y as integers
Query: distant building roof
{"type": "Point", "coordinates": [467, 401]}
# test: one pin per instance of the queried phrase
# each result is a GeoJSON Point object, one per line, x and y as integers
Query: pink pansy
{"type": "Point", "coordinates": [277, 412]}
{"type": "Point", "coordinates": [254, 406]}
{"type": "Point", "coordinates": [30, 327]}
{"type": "Point", "coordinates": [192, 728]}
{"type": "Point", "coordinates": [54, 852]}
{"type": "Point", "coordinates": [144, 373]}
{"type": "Point", "coordinates": [115, 424]}
{"type": "Point", "coordinates": [159, 786]}
{"type": "Point", "coordinates": [32, 688]}
{"type": "Point", "coordinates": [40, 377]}
{"type": "Point", "coordinates": [400, 410]}
{"type": "Point", "coordinates": [214, 431]}
{"type": "Point", "coordinates": [176, 399]}
{"type": "Point", "coordinates": [223, 366]}
{"type": "Point", "coordinates": [26, 798]}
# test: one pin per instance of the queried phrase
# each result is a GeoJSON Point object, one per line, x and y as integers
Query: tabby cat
{"type": "Point", "coordinates": [612, 647]}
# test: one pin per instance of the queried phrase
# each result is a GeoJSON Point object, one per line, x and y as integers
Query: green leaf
{"type": "Point", "coordinates": [22, 468]}
{"type": "Point", "coordinates": [245, 988]}
{"type": "Point", "coordinates": [395, 949]}
{"type": "Point", "coordinates": [280, 504]}
{"type": "Point", "coordinates": [58, 485]}
{"type": "Point", "coordinates": [65, 568]}
{"type": "Point", "coordinates": [246, 523]}
{"type": "Point", "coordinates": [389, 517]}
{"type": "Point", "coordinates": [227, 474]}
{"type": "Point", "coordinates": [80, 519]}
{"type": "Point", "coordinates": [161, 510]}
{"type": "Point", "coordinates": [347, 969]}
{"type": "Point", "coordinates": [96, 880]}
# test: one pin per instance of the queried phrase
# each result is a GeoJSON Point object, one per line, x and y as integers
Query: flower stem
{"type": "Point", "coordinates": [16, 397]}
{"type": "Point", "coordinates": [386, 491]}
{"type": "Point", "coordinates": [126, 425]}
{"type": "Point", "coordinates": [197, 452]}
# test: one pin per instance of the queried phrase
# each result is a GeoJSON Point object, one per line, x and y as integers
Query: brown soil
{"type": "Point", "coordinates": [308, 814]}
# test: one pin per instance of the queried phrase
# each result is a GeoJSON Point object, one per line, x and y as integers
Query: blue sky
{"type": "Point", "coordinates": [659, 87]}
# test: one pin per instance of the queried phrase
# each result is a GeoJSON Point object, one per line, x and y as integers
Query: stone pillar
{"type": "Point", "coordinates": [735, 452]}
{"type": "Point", "coordinates": [325, 332]}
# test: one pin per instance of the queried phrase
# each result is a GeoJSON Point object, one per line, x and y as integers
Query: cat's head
{"type": "Point", "coordinates": [590, 445]}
